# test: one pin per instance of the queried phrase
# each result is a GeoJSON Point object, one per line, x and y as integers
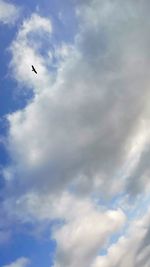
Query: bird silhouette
{"type": "Point", "coordinates": [33, 69]}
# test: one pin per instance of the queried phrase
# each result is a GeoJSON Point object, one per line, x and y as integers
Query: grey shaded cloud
{"type": "Point", "coordinates": [86, 132]}
{"type": "Point", "coordinates": [131, 249]}
{"type": "Point", "coordinates": [81, 126]}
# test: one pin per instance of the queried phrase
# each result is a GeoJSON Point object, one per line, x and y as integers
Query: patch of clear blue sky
{"type": "Point", "coordinates": [39, 250]}
{"type": "Point", "coordinates": [12, 98]}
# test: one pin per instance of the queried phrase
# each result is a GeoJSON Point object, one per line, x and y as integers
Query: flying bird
{"type": "Point", "coordinates": [33, 69]}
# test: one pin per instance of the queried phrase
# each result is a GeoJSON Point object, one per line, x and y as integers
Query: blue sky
{"type": "Point", "coordinates": [74, 139]}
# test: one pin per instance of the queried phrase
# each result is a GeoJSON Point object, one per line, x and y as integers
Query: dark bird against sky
{"type": "Point", "coordinates": [33, 69]}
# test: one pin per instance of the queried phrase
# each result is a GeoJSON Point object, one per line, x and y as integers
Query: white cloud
{"type": "Point", "coordinates": [34, 24]}
{"type": "Point", "coordinates": [84, 230]}
{"type": "Point", "coordinates": [86, 130]}
{"type": "Point", "coordinates": [8, 12]}
{"type": "Point", "coordinates": [85, 234]}
{"type": "Point", "coordinates": [25, 53]}
{"type": "Point", "coordinates": [78, 129]}
{"type": "Point", "coordinates": [21, 262]}
{"type": "Point", "coordinates": [130, 250]}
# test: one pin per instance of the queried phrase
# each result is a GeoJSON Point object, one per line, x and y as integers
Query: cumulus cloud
{"type": "Point", "coordinates": [81, 239]}
{"type": "Point", "coordinates": [78, 130]}
{"type": "Point", "coordinates": [83, 228]}
{"type": "Point", "coordinates": [21, 262]}
{"type": "Point", "coordinates": [8, 12]}
{"type": "Point", "coordinates": [85, 131]}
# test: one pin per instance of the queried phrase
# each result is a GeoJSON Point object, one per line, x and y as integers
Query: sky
{"type": "Point", "coordinates": [74, 138]}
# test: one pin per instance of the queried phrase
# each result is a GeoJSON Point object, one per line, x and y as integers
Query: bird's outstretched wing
{"type": "Point", "coordinates": [33, 69]}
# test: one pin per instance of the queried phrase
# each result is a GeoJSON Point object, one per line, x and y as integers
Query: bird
{"type": "Point", "coordinates": [33, 69]}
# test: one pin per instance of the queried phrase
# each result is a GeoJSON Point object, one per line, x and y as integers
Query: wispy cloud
{"type": "Point", "coordinates": [25, 53]}
{"type": "Point", "coordinates": [9, 13]}
{"type": "Point", "coordinates": [21, 262]}
{"type": "Point", "coordinates": [130, 250]}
